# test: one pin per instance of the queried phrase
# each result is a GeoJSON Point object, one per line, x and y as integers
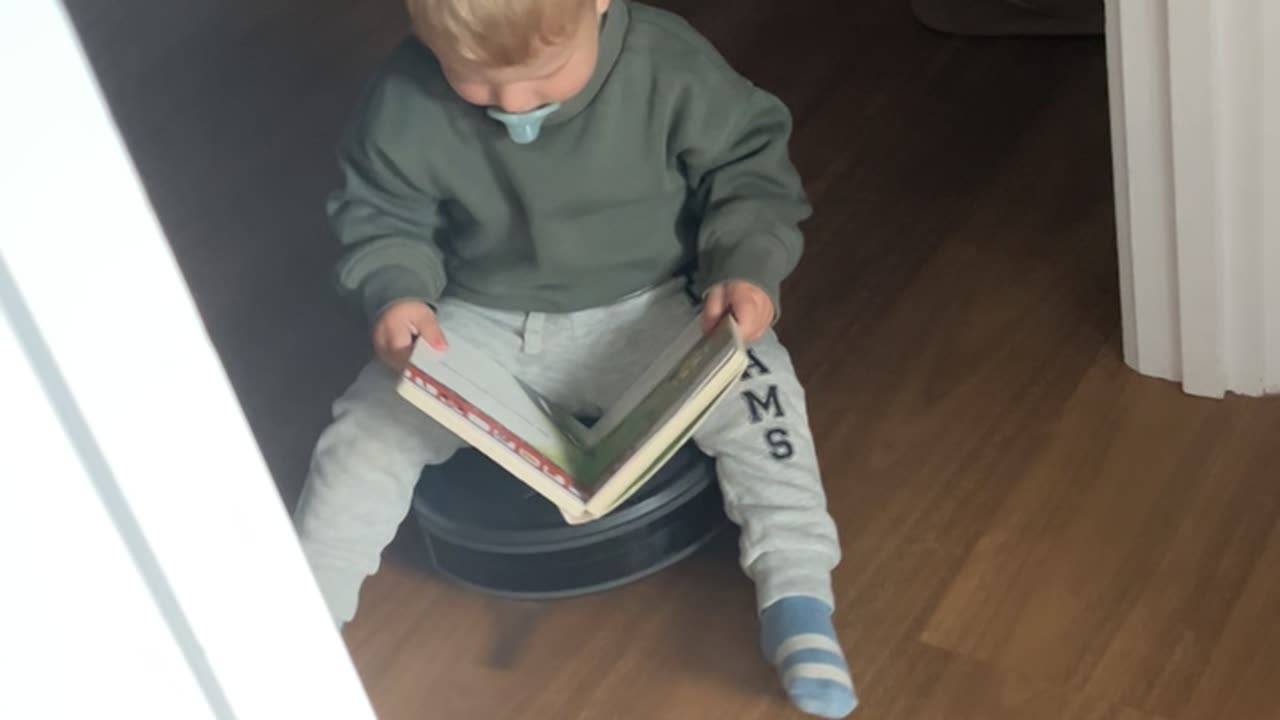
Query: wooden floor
{"type": "Point", "coordinates": [1031, 531]}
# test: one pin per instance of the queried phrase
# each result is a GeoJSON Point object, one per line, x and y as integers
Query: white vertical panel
{"type": "Point", "coordinates": [1238, 93]}
{"type": "Point", "coordinates": [84, 256]}
{"type": "Point", "coordinates": [1269, 128]}
{"type": "Point", "coordinates": [1138, 52]}
{"type": "Point", "coordinates": [1120, 175]}
{"type": "Point", "coordinates": [1199, 256]}
{"type": "Point", "coordinates": [83, 635]}
{"type": "Point", "coordinates": [1193, 78]}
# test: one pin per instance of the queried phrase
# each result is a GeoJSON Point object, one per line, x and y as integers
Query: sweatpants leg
{"type": "Point", "coordinates": [769, 475]}
{"type": "Point", "coordinates": [367, 462]}
{"type": "Point", "coordinates": [360, 484]}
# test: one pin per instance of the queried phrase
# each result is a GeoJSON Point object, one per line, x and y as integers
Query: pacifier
{"type": "Point", "coordinates": [523, 127]}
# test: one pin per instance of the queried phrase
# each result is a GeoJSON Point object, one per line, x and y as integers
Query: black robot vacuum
{"type": "Point", "coordinates": [487, 530]}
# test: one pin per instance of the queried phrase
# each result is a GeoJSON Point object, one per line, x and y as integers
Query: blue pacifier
{"type": "Point", "coordinates": [524, 127]}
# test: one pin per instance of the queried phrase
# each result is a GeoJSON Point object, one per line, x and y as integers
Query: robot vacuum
{"type": "Point", "coordinates": [487, 530]}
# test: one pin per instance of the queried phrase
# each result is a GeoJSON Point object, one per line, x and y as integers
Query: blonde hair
{"type": "Point", "coordinates": [498, 33]}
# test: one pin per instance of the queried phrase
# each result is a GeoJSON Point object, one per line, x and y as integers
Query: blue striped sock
{"type": "Point", "coordinates": [797, 636]}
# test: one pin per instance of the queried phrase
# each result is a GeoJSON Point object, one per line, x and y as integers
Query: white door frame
{"type": "Point", "coordinates": [144, 530]}
{"type": "Point", "coordinates": [1195, 108]}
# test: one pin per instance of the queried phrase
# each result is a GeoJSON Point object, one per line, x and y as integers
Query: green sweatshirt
{"type": "Point", "coordinates": [668, 162]}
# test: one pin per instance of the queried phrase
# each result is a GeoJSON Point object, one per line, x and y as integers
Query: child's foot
{"type": "Point", "coordinates": [798, 638]}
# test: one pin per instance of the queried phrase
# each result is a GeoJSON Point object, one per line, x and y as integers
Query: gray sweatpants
{"type": "Point", "coordinates": [368, 460]}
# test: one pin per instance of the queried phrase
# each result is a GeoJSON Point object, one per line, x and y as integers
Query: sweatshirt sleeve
{"type": "Point", "coordinates": [387, 219]}
{"type": "Point", "coordinates": [732, 147]}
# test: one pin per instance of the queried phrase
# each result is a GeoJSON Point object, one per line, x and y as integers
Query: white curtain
{"type": "Point", "coordinates": [1195, 105]}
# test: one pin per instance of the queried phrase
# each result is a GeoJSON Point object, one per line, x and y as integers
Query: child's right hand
{"type": "Point", "coordinates": [397, 328]}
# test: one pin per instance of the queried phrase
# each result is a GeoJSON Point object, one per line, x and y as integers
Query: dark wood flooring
{"type": "Point", "coordinates": [1031, 530]}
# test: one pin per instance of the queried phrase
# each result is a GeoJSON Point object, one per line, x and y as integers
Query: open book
{"type": "Point", "coordinates": [585, 471]}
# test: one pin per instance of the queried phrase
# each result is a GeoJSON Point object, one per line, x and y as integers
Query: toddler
{"type": "Point", "coordinates": [567, 184]}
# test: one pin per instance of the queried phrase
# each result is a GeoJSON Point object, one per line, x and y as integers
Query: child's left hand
{"type": "Point", "coordinates": [751, 307]}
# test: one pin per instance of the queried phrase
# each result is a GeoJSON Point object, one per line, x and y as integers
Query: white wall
{"type": "Point", "coordinates": [83, 634]}
{"type": "Point", "coordinates": [150, 569]}
{"type": "Point", "coordinates": [1195, 99]}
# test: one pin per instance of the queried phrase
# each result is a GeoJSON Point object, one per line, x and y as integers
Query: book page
{"type": "Point", "coordinates": [629, 485]}
{"type": "Point", "coordinates": [646, 383]}
{"type": "Point", "coordinates": [681, 383]}
{"type": "Point", "coordinates": [565, 421]}
{"type": "Point", "coordinates": [469, 373]}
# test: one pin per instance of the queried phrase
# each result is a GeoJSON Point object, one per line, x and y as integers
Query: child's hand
{"type": "Point", "coordinates": [751, 307]}
{"type": "Point", "coordinates": [399, 325]}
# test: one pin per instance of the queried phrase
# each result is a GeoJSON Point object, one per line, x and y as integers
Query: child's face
{"type": "Point", "coordinates": [558, 72]}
